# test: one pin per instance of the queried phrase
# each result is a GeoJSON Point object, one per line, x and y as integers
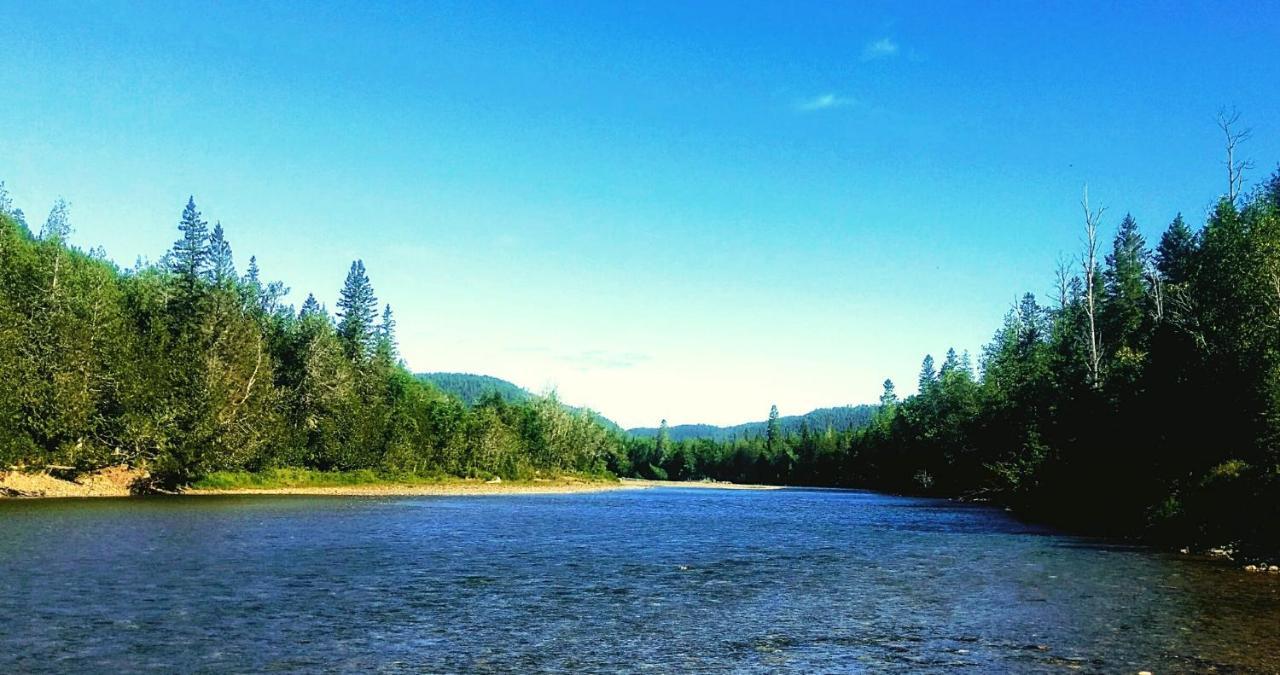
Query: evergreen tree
{"type": "Point", "coordinates": [772, 432]}
{"type": "Point", "coordinates": [890, 396]}
{"type": "Point", "coordinates": [189, 258]}
{"type": "Point", "coordinates": [949, 364]}
{"type": "Point", "coordinates": [928, 376]}
{"type": "Point", "coordinates": [310, 307]}
{"type": "Point", "coordinates": [1175, 251]}
{"type": "Point", "coordinates": [357, 308]}
{"type": "Point", "coordinates": [662, 444]}
{"type": "Point", "coordinates": [387, 336]}
{"type": "Point", "coordinates": [1124, 303]}
{"type": "Point", "coordinates": [252, 275]}
{"type": "Point", "coordinates": [222, 269]}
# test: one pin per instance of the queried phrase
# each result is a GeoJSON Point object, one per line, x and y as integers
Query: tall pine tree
{"type": "Point", "coordinates": [189, 258]}
{"type": "Point", "coordinates": [772, 431]}
{"type": "Point", "coordinates": [222, 269]}
{"type": "Point", "coordinates": [1124, 303]}
{"type": "Point", "coordinates": [357, 308]}
{"type": "Point", "coordinates": [387, 336]}
{"type": "Point", "coordinates": [1175, 251]}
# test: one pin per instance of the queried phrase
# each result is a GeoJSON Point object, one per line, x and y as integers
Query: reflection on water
{"type": "Point", "coordinates": [663, 580]}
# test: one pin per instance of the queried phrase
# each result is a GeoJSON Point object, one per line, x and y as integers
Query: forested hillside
{"type": "Point", "coordinates": [840, 418]}
{"type": "Point", "coordinates": [189, 366]}
{"type": "Point", "coordinates": [472, 388]}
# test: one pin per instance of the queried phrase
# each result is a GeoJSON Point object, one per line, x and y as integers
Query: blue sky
{"type": "Point", "coordinates": [683, 210]}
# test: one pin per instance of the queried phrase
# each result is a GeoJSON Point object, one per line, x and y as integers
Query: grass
{"type": "Point", "coordinates": [274, 479]}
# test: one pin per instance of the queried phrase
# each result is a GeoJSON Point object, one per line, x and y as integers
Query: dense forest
{"type": "Point", "coordinates": [187, 367]}
{"type": "Point", "coordinates": [1144, 398]}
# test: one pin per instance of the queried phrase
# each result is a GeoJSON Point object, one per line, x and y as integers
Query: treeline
{"type": "Point", "coordinates": [803, 454]}
{"type": "Point", "coordinates": [842, 417]}
{"type": "Point", "coordinates": [187, 367]}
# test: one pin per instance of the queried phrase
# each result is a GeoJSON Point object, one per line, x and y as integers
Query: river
{"type": "Point", "coordinates": [660, 580]}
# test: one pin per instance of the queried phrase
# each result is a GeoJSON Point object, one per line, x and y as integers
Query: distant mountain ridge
{"type": "Point", "coordinates": [838, 418]}
{"type": "Point", "coordinates": [470, 388]}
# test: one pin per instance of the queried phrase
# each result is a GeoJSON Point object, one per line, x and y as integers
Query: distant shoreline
{"type": "Point", "coordinates": [118, 482]}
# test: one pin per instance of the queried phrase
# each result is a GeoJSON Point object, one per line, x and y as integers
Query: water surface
{"type": "Point", "coordinates": [662, 580]}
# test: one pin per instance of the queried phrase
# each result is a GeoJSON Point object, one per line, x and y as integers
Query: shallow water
{"type": "Point", "coordinates": [662, 580]}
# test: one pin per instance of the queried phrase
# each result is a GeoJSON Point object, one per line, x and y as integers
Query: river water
{"type": "Point", "coordinates": [660, 580]}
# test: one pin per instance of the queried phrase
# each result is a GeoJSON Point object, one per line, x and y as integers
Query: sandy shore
{"type": "Point", "coordinates": [116, 481]}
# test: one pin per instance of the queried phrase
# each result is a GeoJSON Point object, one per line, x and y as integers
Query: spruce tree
{"type": "Point", "coordinates": [890, 395]}
{"type": "Point", "coordinates": [189, 258]}
{"type": "Point", "coordinates": [928, 376]}
{"type": "Point", "coordinates": [357, 308]}
{"type": "Point", "coordinates": [662, 442]}
{"type": "Point", "coordinates": [772, 431]}
{"type": "Point", "coordinates": [387, 336]}
{"type": "Point", "coordinates": [949, 364]}
{"type": "Point", "coordinates": [222, 269]}
{"type": "Point", "coordinates": [1175, 251]}
{"type": "Point", "coordinates": [1124, 304]}
{"type": "Point", "coordinates": [310, 307]}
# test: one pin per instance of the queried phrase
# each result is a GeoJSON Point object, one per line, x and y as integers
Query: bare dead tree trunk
{"type": "Point", "coordinates": [1157, 290]}
{"type": "Point", "coordinates": [1090, 261]}
{"type": "Point", "coordinates": [1234, 136]}
{"type": "Point", "coordinates": [1062, 282]}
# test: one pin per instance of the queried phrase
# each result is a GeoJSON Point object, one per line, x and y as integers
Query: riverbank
{"type": "Point", "coordinates": [115, 481]}
{"type": "Point", "coordinates": [440, 488]}
{"type": "Point", "coordinates": [121, 481]}
{"type": "Point", "coordinates": [462, 486]}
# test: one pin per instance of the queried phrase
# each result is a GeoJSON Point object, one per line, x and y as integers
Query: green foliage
{"type": "Point", "coordinates": [200, 375]}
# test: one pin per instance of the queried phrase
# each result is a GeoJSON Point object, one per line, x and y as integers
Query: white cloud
{"type": "Point", "coordinates": [883, 48]}
{"type": "Point", "coordinates": [598, 358]}
{"type": "Point", "coordinates": [825, 102]}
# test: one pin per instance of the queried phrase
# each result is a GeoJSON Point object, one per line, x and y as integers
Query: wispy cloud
{"type": "Point", "coordinates": [584, 360]}
{"type": "Point", "coordinates": [825, 102]}
{"type": "Point", "coordinates": [884, 48]}
{"type": "Point", "coordinates": [597, 359]}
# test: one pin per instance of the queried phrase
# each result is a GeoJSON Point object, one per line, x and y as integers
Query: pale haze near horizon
{"type": "Point", "coordinates": [661, 212]}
